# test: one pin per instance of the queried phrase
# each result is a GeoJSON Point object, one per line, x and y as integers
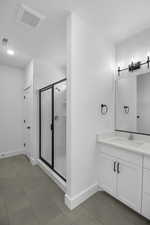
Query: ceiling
{"type": "Point", "coordinates": [115, 19]}
{"type": "Point", "coordinates": [46, 42]}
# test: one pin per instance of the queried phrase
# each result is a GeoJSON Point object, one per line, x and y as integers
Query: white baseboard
{"type": "Point", "coordinates": [33, 161]}
{"type": "Point", "coordinates": [15, 153]}
{"type": "Point", "coordinates": [28, 155]}
{"type": "Point", "coordinates": [81, 197]}
{"type": "Point", "coordinates": [100, 189]}
{"type": "Point", "coordinates": [11, 153]}
{"type": "Point", "coordinates": [52, 175]}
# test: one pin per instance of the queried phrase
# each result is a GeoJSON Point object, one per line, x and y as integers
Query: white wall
{"type": "Point", "coordinates": [90, 83]}
{"type": "Point", "coordinates": [29, 70]}
{"type": "Point", "coordinates": [135, 47]}
{"type": "Point", "coordinates": [47, 73]}
{"type": "Point", "coordinates": [11, 110]}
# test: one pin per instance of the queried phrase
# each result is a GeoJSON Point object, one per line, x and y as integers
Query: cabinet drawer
{"type": "Point", "coordinates": [122, 154]}
{"type": "Point", "coordinates": [146, 181]}
{"type": "Point", "coordinates": [146, 206]}
{"type": "Point", "coordinates": [147, 162]}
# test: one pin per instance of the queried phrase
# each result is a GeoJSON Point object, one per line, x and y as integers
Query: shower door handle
{"type": "Point", "coordinates": [118, 167]}
{"type": "Point", "coordinates": [51, 126]}
{"type": "Point", "coordinates": [56, 117]}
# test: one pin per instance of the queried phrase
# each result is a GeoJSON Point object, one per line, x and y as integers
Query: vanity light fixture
{"type": "Point", "coordinates": [135, 66]}
{"type": "Point", "coordinates": [148, 61]}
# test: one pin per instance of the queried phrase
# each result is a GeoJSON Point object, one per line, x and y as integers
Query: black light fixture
{"type": "Point", "coordinates": [119, 71]}
{"type": "Point", "coordinates": [148, 61]}
{"type": "Point", "coordinates": [135, 66]}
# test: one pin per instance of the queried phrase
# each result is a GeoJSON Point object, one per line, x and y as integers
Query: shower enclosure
{"type": "Point", "coordinates": [52, 124]}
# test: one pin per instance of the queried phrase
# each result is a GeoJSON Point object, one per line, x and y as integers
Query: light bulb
{"type": "Point", "coordinates": [132, 59]}
{"type": "Point", "coordinates": [10, 52]}
{"type": "Point", "coordinates": [148, 54]}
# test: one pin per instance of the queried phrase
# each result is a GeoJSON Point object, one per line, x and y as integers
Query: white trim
{"type": "Point", "coordinates": [81, 197]}
{"type": "Point", "coordinates": [27, 154]}
{"type": "Point", "coordinates": [100, 189]}
{"type": "Point", "coordinates": [11, 153]}
{"type": "Point", "coordinates": [28, 87]}
{"type": "Point", "coordinates": [33, 161]}
{"type": "Point", "coordinates": [52, 175]}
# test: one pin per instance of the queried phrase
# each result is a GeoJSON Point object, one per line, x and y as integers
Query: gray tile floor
{"type": "Point", "coordinates": [29, 197]}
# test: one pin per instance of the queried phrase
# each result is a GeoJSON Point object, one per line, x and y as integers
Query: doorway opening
{"type": "Point", "coordinates": [27, 120]}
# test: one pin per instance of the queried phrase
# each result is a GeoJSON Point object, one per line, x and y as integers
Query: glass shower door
{"type": "Point", "coordinates": [52, 127]}
{"type": "Point", "coordinates": [60, 128]}
{"type": "Point", "coordinates": [46, 126]}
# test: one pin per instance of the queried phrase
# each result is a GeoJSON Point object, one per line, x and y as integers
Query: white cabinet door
{"type": "Point", "coordinates": [146, 206]}
{"type": "Point", "coordinates": [129, 183]}
{"type": "Point", "coordinates": [146, 181]}
{"type": "Point", "coordinates": [107, 176]}
{"type": "Point", "coordinates": [146, 194]}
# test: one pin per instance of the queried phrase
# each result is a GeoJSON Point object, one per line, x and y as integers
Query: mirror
{"type": "Point", "coordinates": [133, 103]}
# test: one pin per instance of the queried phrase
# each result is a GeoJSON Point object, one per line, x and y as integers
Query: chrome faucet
{"type": "Point", "coordinates": [131, 137]}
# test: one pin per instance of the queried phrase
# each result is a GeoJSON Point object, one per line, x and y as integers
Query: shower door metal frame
{"type": "Point", "coordinates": [51, 166]}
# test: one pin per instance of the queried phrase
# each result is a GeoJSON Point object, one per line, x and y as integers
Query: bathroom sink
{"type": "Point", "coordinates": [124, 141]}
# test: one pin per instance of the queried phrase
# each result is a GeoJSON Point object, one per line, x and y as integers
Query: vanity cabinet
{"type": "Point", "coordinates": [120, 174]}
{"type": "Point", "coordinates": [129, 182]}
{"type": "Point", "coordinates": [146, 188]}
{"type": "Point", "coordinates": [107, 177]}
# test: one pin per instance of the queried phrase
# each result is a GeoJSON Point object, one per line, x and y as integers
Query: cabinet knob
{"type": "Point", "coordinates": [118, 168]}
{"type": "Point", "coordinates": [115, 166]}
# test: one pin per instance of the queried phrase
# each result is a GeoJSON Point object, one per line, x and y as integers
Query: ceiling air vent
{"type": "Point", "coordinates": [29, 16]}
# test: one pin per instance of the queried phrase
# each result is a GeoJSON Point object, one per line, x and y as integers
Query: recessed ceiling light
{"type": "Point", "coordinates": [10, 52]}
